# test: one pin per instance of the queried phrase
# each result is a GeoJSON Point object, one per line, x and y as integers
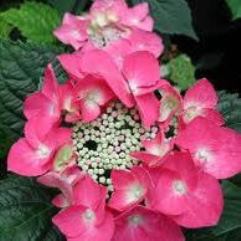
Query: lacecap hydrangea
{"type": "Point", "coordinates": [133, 158]}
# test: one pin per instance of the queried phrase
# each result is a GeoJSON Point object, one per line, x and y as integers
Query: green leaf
{"type": "Point", "coordinates": [181, 71]}
{"type": "Point", "coordinates": [235, 7]}
{"type": "Point", "coordinates": [36, 21]}
{"type": "Point", "coordinates": [5, 28]}
{"type": "Point", "coordinates": [230, 107]}
{"type": "Point", "coordinates": [171, 16]}
{"type": "Point", "coordinates": [231, 218]}
{"type": "Point", "coordinates": [21, 68]}
{"type": "Point", "coordinates": [63, 5]}
{"type": "Point", "coordinates": [75, 6]}
{"type": "Point", "coordinates": [26, 211]}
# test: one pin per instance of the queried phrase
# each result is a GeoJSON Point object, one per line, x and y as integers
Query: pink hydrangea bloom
{"type": "Point", "coordinates": [87, 219]}
{"type": "Point", "coordinates": [155, 150]}
{"type": "Point", "coordinates": [171, 103]}
{"type": "Point", "coordinates": [45, 102]}
{"type": "Point", "coordinates": [191, 197]}
{"type": "Point", "coordinates": [111, 25]}
{"type": "Point", "coordinates": [132, 158]}
{"type": "Point", "coordinates": [142, 224]}
{"type": "Point", "coordinates": [201, 100]}
{"type": "Point", "coordinates": [130, 188]}
{"type": "Point", "coordinates": [215, 149]}
{"type": "Point", "coordinates": [32, 155]}
{"type": "Point", "coordinates": [135, 85]}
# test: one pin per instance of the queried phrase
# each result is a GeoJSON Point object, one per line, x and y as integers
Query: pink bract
{"type": "Point", "coordinates": [111, 25]}
{"type": "Point", "coordinates": [87, 219]}
{"type": "Point", "coordinates": [142, 224]}
{"type": "Point", "coordinates": [130, 188]}
{"type": "Point", "coordinates": [155, 150]}
{"type": "Point", "coordinates": [201, 100]}
{"type": "Point", "coordinates": [216, 150]}
{"type": "Point", "coordinates": [190, 197]}
{"type": "Point", "coordinates": [133, 159]}
{"type": "Point", "coordinates": [33, 155]}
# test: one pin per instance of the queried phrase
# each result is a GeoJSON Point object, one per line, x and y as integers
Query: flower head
{"type": "Point", "coordinates": [111, 25]}
{"type": "Point", "coordinates": [132, 158]}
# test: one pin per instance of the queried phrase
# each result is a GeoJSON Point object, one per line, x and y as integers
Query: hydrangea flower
{"type": "Point", "coordinates": [113, 27]}
{"type": "Point", "coordinates": [133, 159]}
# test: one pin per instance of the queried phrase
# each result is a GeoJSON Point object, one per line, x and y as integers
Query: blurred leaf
{"type": "Point", "coordinates": [235, 7]}
{"type": "Point", "coordinates": [171, 16]}
{"type": "Point", "coordinates": [5, 28]}
{"type": "Point", "coordinates": [181, 71]}
{"type": "Point", "coordinates": [26, 211]}
{"type": "Point", "coordinates": [36, 21]}
{"type": "Point", "coordinates": [231, 218]}
{"type": "Point", "coordinates": [21, 68]}
{"type": "Point", "coordinates": [230, 107]}
{"type": "Point", "coordinates": [62, 5]}
{"type": "Point", "coordinates": [75, 6]}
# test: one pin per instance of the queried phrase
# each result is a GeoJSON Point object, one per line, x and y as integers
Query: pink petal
{"type": "Point", "coordinates": [137, 16]}
{"type": "Point", "coordinates": [94, 90]}
{"type": "Point", "coordinates": [73, 31]}
{"type": "Point", "coordinates": [50, 84]}
{"type": "Point", "coordinates": [118, 50]}
{"type": "Point", "coordinates": [214, 116]}
{"type": "Point", "coordinates": [53, 179]}
{"type": "Point", "coordinates": [71, 64]}
{"type": "Point", "coordinates": [215, 149]}
{"type": "Point", "coordinates": [104, 232]}
{"type": "Point", "coordinates": [131, 192]}
{"type": "Point", "coordinates": [147, 24]}
{"type": "Point", "coordinates": [148, 107]}
{"type": "Point", "coordinates": [38, 105]}
{"type": "Point", "coordinates": [141, 224]}
{"type": "Point", "coordinates": [141, 69]}
{"type": "Point", "coordinates": [156, 150]}
{"type": "Point", "coordinates": [202, 93]}
{"type": "Point", "coordinates": [116, 6]}
{"type": "Point", "coordinates": [26, 161]}
{"type": "Point", "coordinates": [70, 221]}
{"type": "Point", "coordinates": [171, 102]}
{"type": "Point", "coordinates": [149, 159]}
{"type": "Point", "coordinates": [146, 41]}
{"type": "Point", "coordinates": [99, 63]}
{"type": "Point", "coordinates": [89, 112]}
{"type": "Point", "coordinates": [37, 129]}
{"type": "Point", "coordinates": [68, 104]}
{"type": "Point", "coordinates": [205, 204]}
{"type": "Point", "coordinates": [58, 137]}
{"type": "Point", "coordinates": [60, 201]}
{"type": "Point", "coordinates": [88, 193]}
{"type": "Point", "coordinates": [190, 196]}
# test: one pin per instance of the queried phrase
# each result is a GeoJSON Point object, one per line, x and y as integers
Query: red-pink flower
{"type": "Point", "coordinates": [135, 85]}
{"type": "Point", "coordinates": [91, 94]}
{"type": "Point", "coordinates": [201, 100]}
{"type": "Point", "coordinates": [170, 104]}
{"type": "Point", "coordinates": [88, 218]}
{"type": "Point", "coordinates": [186, 194]}
{"type": "Point", "coordinates": [45, 102]}
{"type": "Point", "coordinates": [215, 149]}
{"type": "Point", "coordinates": [155, 150]}
{"type": "Point", "coordinates": [64, 174]}
{"type": "Point", "coordinates": [33, 155]}
{"type": "Point", "coordinates": [52, 101]}
{"type": "Point", "coordinates": [111, 25]}
{"type": "Point", "coordinates": [142, 224]}
{"type": "Point", "coordinates": [130, 188]}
